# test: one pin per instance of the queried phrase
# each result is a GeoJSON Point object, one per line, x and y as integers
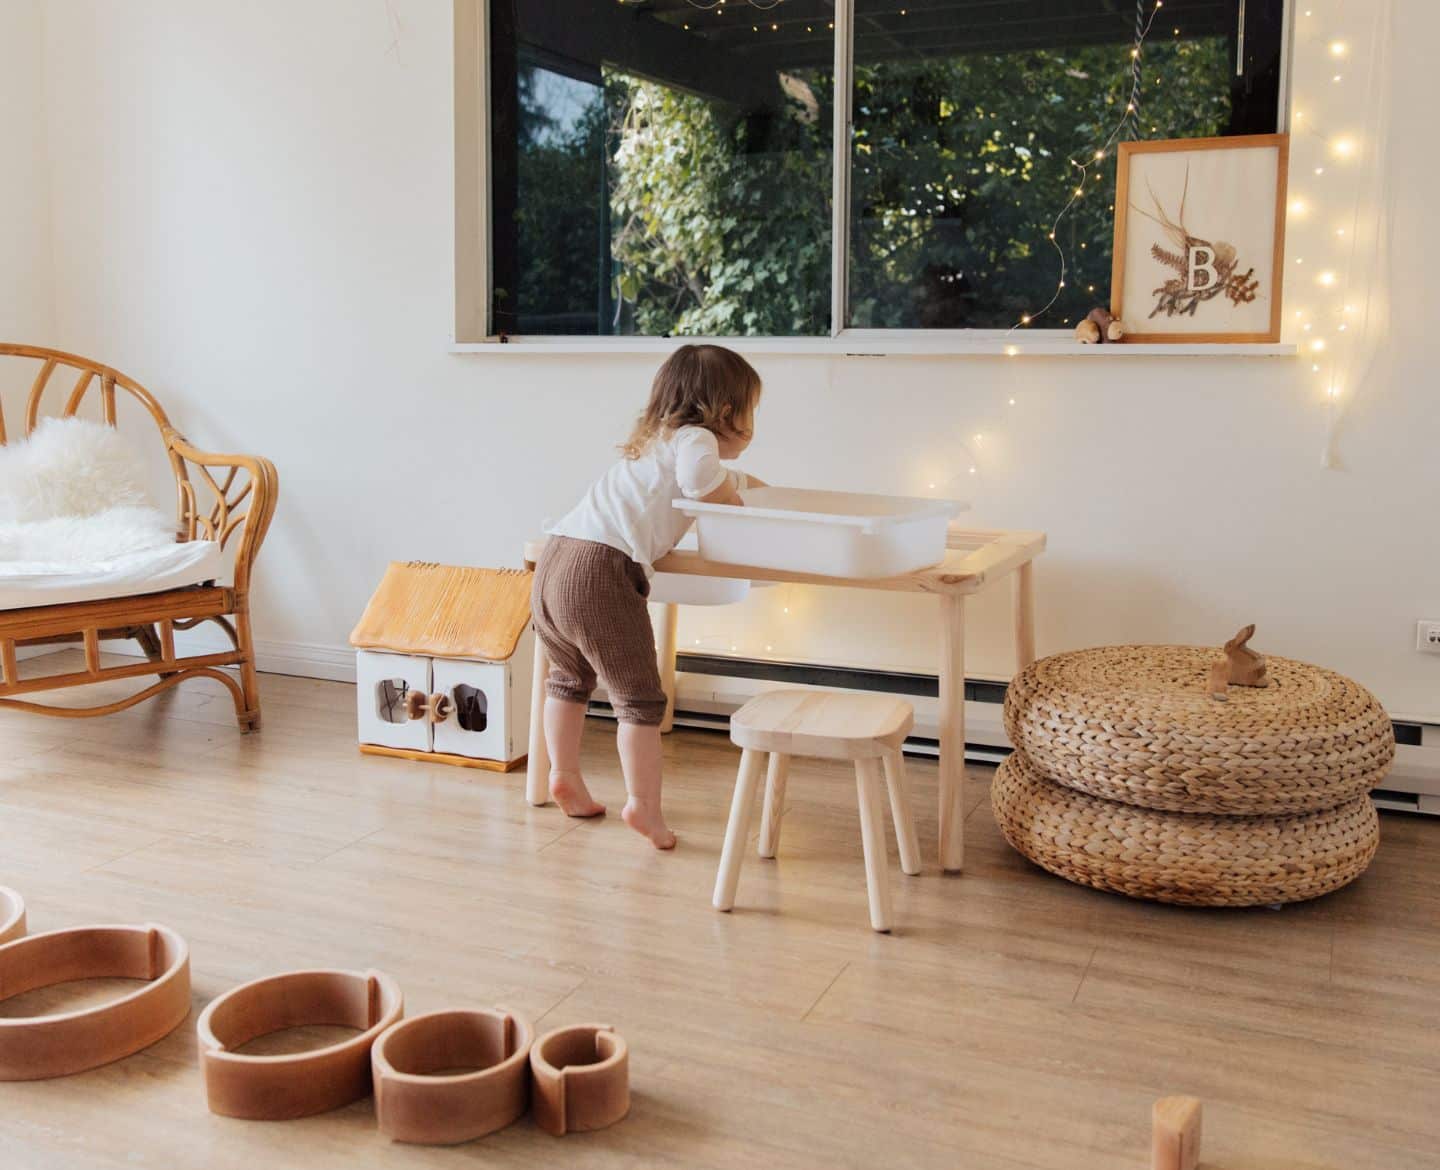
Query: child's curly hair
{"type": "Point", "coordinates": [698, 386]}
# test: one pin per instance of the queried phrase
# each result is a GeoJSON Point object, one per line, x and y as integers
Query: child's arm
{"type": "Point", "coordinates": [700, 473]}
{"type": "Point", "coordinates": [726, 493]}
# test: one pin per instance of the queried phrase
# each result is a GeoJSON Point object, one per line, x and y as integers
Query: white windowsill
{"type": "Point", "coordinates": [1048, 343]}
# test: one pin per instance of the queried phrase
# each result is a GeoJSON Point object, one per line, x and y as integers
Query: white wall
{"type": "Point", "coordinates": [253, 207]}
{"type": "Point", "coordinates": [27, 302]}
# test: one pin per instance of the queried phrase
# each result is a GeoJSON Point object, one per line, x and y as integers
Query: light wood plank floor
{"type": "Point", "coordinates": [1012, 1021]}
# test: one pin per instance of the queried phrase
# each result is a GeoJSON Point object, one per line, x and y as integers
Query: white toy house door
{"type": "Point", "coordinates": [479, 700]}
{"type": "Point", "coordinates": [383, 683]}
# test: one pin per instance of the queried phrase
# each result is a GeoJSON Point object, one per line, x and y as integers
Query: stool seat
{"type": "Point", "coordinates": [866, 730]}
{"type": "Point", "coordinates": [826, 726]}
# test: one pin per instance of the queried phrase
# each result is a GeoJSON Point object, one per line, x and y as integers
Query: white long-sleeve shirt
{"type": "Point", "coordinates": [630, 506]}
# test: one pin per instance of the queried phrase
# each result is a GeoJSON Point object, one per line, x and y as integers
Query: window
{"type": "Point", "coordinates": [666, 167]}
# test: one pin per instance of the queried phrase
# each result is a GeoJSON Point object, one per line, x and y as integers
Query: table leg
{"type": "Point", "coordinates": [537, 768]}
{"type": "Point", "coordinates": [664, 618]}
{"type": "Point", "coordinates": [952, 733]}
{"type": "Point", "coordinates": [1024, 616]}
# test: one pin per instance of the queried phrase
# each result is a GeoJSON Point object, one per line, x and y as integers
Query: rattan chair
{"type": "Point", "coordinates": [229, 499]}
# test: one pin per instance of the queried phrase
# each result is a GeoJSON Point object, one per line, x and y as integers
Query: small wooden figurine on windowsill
{"type": "Point", "coordinates": [1099, 327]}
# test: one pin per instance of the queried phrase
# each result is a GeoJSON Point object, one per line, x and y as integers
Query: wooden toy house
{"type": "Point", "coordinates": [443, 664]}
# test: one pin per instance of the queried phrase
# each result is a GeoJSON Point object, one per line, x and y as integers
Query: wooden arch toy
{"type": "Point", "coordinates": [275, 1088]}
{"type": "Point", "coordinates": [12, 915]}
{"type": "Point", "coordinates": [580, 1078]}
{"type": "Point", "coordinates": [36, 1047]}
{"type": "Point", "coordinates": [418, 1100]}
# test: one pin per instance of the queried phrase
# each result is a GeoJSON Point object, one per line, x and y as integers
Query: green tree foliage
{"type": "Point", "coordinates": [954, 195]}
{"type": "Point", "coordinates": [719, 221]}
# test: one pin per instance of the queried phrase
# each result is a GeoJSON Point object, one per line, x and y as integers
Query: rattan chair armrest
{"type": "Point", "coordinates": [244, 505]}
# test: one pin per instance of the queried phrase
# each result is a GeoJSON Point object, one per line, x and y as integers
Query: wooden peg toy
{"type": "Point", "coordinates": [1175, 1123]}
{"type": "Point", "coordinates": [436, 708]}
{"type": "Point", "coordinates": [580, 1078]}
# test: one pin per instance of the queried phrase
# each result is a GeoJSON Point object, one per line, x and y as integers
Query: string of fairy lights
{"type": "Point", "coordinates": [1340, 330]}
{"type": "Point", "coordinates": [1099, 154]}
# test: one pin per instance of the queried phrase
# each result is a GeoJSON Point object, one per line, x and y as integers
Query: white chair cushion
{"type": "Point", "coordinates": [25, 584]}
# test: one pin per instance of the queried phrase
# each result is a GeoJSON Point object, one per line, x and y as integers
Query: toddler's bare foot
{"type": "Point", "coordinates": [648, 822]}
{"type": "Point", "coordinates": [569, 791]}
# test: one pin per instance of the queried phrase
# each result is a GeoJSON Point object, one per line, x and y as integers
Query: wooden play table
{"type": "Point", "coordinates": [975, 559]}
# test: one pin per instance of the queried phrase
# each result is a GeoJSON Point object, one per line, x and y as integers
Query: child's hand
{"type": "Point", "coordinates": [724, 494]}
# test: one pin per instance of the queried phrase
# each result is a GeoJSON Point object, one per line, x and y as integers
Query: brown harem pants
{"type": "Point", "coordinates": [590, 613]}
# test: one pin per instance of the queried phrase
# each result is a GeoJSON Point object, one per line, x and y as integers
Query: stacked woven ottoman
{"type": "Point", "coordinates": [1128, 776]}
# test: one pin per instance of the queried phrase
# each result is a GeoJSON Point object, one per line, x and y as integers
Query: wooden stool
{"type": "Point", "coordinates": [829, 726]}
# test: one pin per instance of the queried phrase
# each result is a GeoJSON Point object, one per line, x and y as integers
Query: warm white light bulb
{"type": "Point", "coordinates": [1327, 278]}
{"type": "Point", "coordinates": [1298, 207]}
{"type": "Point", "coordinates": [1318, 345]}
{"type": "Point", "coordinates": [1338, 48]}
{"type": "Point", "coordinates": [1011, 351]}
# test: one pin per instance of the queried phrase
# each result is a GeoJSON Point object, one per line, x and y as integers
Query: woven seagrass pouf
{"type": "Point", "coordinates": [1185, 858]}
{"type": "Point", "coordinates": [1137, 724]}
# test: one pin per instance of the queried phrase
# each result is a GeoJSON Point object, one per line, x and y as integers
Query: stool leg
{"type": "Point", "coordinates": [898, 782]}
{"type": "Point", "coordinates": [774, 803]}
{"type": "Point", "coordinates": [738, 830]}
{"type": "Point", "coordinates": [872, 838]}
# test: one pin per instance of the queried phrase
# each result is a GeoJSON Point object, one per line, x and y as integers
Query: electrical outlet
{"type": "Point", "coordinates": [1427, 637]}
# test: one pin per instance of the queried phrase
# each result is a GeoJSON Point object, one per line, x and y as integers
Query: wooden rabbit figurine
{"type": "Point", "coordinates": [1241, 667]}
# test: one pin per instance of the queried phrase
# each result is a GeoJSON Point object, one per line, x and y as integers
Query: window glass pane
{"type": "Point", "coordinates": [966, 116]}
{"type": "Point", "coordinates": [657, 168]}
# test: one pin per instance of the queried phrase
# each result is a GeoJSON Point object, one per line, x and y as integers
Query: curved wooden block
{"type": "Point", "coordinates": [12, 915]}
{"type": "Point", "coordinates": [417, 1100]}
{"type": "Point", "coordinates": [35, 1047]}
{"type": "Point", "coordinates": [275, 1088]}
{"type": "Point", "coordinates": [580, 1078]}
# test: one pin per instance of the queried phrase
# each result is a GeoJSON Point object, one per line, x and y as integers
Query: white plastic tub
{"type": "Point", "coordinates": [828, 534]}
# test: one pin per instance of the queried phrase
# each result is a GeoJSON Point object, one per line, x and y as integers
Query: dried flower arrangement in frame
{"type": "Point", "coordinates": [1200, 238]}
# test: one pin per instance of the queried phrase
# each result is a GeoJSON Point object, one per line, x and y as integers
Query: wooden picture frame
{"type": "Point", "coordinates": [1211, 299]}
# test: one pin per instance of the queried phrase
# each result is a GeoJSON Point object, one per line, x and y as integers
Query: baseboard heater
{"type": "Point", "coordinates": [1414, 785]}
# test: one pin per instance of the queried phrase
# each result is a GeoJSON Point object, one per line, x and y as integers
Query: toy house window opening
{"type": "Point", "coordinates": [472, 708]}
{"type": "Point", "coordinates": [390, 694]}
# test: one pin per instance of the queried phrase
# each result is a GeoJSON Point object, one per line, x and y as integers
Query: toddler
{"type": "Point", "coordinates": [592, 578]}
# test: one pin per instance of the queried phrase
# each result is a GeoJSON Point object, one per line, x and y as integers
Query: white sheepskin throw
{"type": "Point", "coordinates": [69, 467]}
{"type": "Point", "coordinates": [74, 492]}
{"type": "Point", "coordinates": [86, 540]}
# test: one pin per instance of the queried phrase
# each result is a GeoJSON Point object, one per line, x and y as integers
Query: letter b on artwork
{"type": "Point", "coordinates": [1202, 274]}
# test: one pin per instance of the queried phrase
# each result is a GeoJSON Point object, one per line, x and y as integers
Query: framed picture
{"type": "Point", "coordinates": [1200, 238]}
